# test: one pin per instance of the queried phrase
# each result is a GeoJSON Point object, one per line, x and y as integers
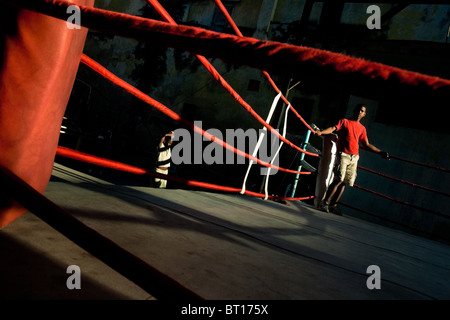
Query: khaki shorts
{"type": "Point", "coordinates": [346, 167]}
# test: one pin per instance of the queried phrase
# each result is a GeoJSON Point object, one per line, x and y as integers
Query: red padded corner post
{"type": "Point", "coordinates": [39, 60]}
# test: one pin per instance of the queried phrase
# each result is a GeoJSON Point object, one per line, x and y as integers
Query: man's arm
{"type": "Point", "coordinates": [161, 142]}
{"type": "Point", "coordinates": [370, 147]}
{"type": "Point", "coordinates": [169, 143]}
{"type": "Point", "coordinates": [326, 131]}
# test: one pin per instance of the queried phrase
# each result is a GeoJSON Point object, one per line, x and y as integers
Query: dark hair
{"type": "Point", "coordinates": [358, 107]}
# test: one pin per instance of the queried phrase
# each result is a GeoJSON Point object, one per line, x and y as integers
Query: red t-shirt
{"type": "Point", "coordinates": [350, 133]}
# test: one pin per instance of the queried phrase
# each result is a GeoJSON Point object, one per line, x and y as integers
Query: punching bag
{"type": "Point", "coordinates": [40, 56]}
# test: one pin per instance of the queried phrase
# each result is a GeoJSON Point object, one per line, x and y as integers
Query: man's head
{"type": "Point", "coordinates": [359, 111]}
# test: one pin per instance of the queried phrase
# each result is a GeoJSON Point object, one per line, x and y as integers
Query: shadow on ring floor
{"type": "Point", "coordinates": [221, 246]}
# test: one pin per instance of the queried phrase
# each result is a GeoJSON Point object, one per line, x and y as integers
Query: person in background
{"type": "Point", "coordinates": [351, 134]}
{"type": "Point", "coordinates": [164, 158]}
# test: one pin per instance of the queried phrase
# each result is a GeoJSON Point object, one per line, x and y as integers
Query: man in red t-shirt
{"type": "Point", "coordinates": [350, 133]}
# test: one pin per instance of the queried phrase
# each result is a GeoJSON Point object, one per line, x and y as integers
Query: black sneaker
{"type": "Point", "coordinates": [325, 206]}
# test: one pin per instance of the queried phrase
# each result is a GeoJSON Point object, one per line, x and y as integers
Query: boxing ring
{"type": "Point", "coordinates": [26, 172]}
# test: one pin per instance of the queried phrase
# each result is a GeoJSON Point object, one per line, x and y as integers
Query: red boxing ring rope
{"type": "Point", "coordinates": [159, 106]}
{"type": "Point", "coordinates": [266, 74]}
{"type": "Point", "coordinates": [405, 182]}
{"type": "Point", "coordinates": [402, 202]}
{"type": "Point", "coordinates": [264, 55]}
{"type": "Point", "coordinates": [421, 164]}
{"type": "Point", "coordinates": [84, 157]}
{"type": "Point", "coordinates": [161, 11]}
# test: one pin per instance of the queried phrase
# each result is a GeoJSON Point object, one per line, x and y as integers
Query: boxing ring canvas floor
{"type": "Point", "coordinates": [221, 246]}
